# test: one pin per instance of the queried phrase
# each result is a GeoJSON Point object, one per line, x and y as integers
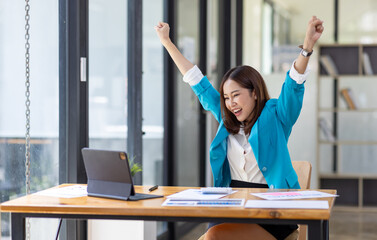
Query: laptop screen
{"type": "Point", "coordinates": [106, 165]}
{"type": "Point", "coordinates": [109, 175]}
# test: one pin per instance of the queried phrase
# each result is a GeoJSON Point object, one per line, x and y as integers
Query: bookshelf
{"type": "Point", "coordinates": [347, 122]}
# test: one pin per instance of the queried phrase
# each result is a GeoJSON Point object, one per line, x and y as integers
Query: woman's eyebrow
{"type": "Point", "coordinates": [237, 90]}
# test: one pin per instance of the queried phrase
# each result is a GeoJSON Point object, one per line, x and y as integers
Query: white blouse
{"type": "Point", "coordinates": [242, 162]}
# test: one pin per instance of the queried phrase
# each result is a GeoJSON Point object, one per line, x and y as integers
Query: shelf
{"type": "Point", "coordinates": [345, 76]}
{"type": "Point", "coordinates": [353, 190]}
{"type": "Point", "coordinates": [371, 51]}
{"type": "Point", "coordinates": [348, 142]}
{"type": "Point", "coordinates": [341, 208]}
{"type": "Point", "coordinates": [347, 175]}
{"type": "Point", "coordinates": [350, 67]}
{"type": "Point", "coordinates": [348, 110]}
{"type": "Point", "coordinates": [342, 76]}
{"type": "Point", "coordinates": [343, 58]}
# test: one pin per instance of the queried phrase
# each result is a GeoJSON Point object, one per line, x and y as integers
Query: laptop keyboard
{"type": "Point", "coordinates": [141, 196]}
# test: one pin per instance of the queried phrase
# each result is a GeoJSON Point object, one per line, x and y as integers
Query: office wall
{"type": "Point", "coordinates": [301, 11]}
{"type": "Point", "coordinates": [357, 22]}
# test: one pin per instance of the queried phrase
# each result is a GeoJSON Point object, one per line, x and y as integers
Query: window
{"type": "Point", "coordinates": [44, 105]}
{"type": "Point", "coordinates": [108, 74]}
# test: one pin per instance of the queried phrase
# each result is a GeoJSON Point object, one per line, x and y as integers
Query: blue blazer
{"type": "Point", "coordinates": [268, 137]}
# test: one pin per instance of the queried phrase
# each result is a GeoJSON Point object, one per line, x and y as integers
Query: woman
{"type": "Point", "coordinates": [250, 147]}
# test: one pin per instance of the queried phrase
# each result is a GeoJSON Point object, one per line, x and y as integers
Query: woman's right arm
{"type": "Point", "coordinates": [182, 63]}
{"type": "Point", "coordinates": [206, 93]}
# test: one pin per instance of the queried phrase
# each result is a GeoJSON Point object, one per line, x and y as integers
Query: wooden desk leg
{"type": "Point", "coordinates": [315, 230]}
{"type": "Point", "coordinates": [18, 226]}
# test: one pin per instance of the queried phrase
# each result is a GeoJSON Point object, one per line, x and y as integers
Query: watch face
{"type": "Point", "coordinates": [305, 53]}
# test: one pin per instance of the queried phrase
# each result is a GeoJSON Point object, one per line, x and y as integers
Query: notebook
{"type": "Point", "coordinates": [109, 175]}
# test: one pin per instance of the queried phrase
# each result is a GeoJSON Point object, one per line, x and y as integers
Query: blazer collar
{"type": "Point", "coordinates": [253, 139]}
{"type": "Point", "coordinates": [221, 134]}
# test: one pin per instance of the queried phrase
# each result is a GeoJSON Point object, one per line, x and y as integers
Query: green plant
{"type": "Point", "coordinates": [135, 167]}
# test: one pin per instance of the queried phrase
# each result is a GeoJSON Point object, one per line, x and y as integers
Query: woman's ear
{"type": "Point", "coordinates": [255, 95]}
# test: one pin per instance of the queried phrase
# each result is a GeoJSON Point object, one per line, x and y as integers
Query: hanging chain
{"type": "Point", "coordinates": [27, 112]}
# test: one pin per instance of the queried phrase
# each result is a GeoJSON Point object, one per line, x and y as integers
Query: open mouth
{"type": "Point", "coordinates": [237, 112]}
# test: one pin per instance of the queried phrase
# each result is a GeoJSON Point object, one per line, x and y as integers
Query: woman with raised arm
{"type": "Point", "coordinates": [250, 147]}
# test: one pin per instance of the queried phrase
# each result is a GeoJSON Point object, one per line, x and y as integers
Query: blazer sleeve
{"type": "Point", "coordinates": [208, 96]}
{"type": "Point", "coordinates": [289, 103]}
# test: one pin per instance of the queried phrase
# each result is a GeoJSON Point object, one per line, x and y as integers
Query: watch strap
{"type": "Point", "coordinates": [305, 52]}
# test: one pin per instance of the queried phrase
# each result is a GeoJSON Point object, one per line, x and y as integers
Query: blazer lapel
{"type": "Point", "coordinates": [253, 140]}
{"type": "Point", "coordinates": [221, 134]}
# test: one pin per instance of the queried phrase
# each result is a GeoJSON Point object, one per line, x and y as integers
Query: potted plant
{"type": "Point", "coordinates": [134, 167]}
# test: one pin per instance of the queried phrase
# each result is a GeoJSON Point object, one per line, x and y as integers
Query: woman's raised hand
{"type": "Point", "coordinates": [162, 30]}
{"type": "Point", "coordinates": [313, 32]}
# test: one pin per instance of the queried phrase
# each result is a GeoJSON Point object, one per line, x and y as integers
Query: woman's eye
{"type": "Point", "coordinates": [235, 95]}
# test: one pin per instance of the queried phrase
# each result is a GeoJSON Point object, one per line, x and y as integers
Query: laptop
{"type": "Point", "coordinates": [109, 175]}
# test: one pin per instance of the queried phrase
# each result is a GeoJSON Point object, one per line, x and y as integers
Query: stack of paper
{"type": "Point", "coordinates": [205, 203]}
{"type": "Point", "coordinates": [65, 192]}
{"type": "Point", "coordinates": [292, 195]}
{"type": "Point", "coordinates": [195, 197]}
{"type": "Point", "coordinates": [195, 194]}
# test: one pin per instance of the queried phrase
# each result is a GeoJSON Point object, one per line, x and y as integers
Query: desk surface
{"type": "Point", "coordinates": [152, 207]}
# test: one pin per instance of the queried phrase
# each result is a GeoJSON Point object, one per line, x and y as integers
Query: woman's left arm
{"type": "Point", "coordinates": [313, 33]}
{"type": "Point", "coordinates": [290, 100]}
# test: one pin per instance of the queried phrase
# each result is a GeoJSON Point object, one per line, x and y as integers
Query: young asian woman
{"type": "Point", "coordinates": [250, 147]}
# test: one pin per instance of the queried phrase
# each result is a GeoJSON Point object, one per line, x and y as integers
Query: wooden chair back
{"type": "Point", "coordinates": [304, 171]}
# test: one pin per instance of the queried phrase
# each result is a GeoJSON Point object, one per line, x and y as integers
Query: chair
{"type": "Point", "coordinates": [303, 170]}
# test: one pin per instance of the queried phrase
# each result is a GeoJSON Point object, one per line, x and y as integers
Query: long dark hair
{"type": "Point", "coordinates": [249, 78]}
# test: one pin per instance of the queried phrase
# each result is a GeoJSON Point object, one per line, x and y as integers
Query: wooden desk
{"type": "Point", "coordinates": [102, 208]}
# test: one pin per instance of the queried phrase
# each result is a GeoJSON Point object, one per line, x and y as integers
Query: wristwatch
{"type": "Point", "coordinates": [305, 52]}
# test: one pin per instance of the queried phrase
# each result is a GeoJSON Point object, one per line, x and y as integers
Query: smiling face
{"type": "Point", "coordinates": [239, 101]}
{"type": "Point", "coordinates": [243, 94]}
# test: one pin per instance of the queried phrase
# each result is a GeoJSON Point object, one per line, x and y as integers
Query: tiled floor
{"type": "Point", "coordinates": [344, 225]}
{"type": "Point", "coordinates": [347, 225]}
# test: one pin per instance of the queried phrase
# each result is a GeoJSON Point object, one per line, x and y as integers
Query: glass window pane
{"type": "Point", "coordinates": [44, 106]}
{"type": "Point", "coordinates": [153, 108]}
{"type": "Point", "coordinates": [107, 84]}
{"type": "Point", "coordinates": [152, 94]}
{"type": "Point", "coordinates": [108, 74]}
{"type": "Point", "coordinates": [187, 105]}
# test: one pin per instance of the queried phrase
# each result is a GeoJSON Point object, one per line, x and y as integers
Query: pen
{"type": "Point", "coordinates": [153, 188]}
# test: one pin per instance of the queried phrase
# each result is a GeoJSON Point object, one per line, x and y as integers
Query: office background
{"type": "Point", "coordinates": [134, 98]}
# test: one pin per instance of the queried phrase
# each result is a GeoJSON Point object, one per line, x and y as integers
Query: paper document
{"type": "Point", "coordinates": [65, 192]}
{"type": "Point", "coordinates": [292, 195]}
{"type": "Point", "coordinates": [294, 204]}
{"type": "Point", "coordinates": [205, 203]}
{"type": "Point", "coordinates": [195, 194]}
